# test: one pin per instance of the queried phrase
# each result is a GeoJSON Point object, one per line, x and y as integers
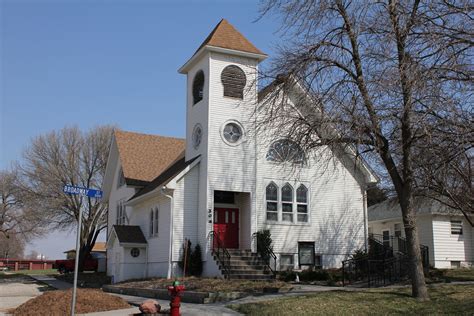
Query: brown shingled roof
{"type": "Point", "coordinates": [144, 157]}
{"type": "Point", "coordinates": [226, 36]}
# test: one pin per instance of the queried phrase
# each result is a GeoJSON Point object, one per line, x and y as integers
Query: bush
{"type": "Point", "coordinates": [331, 276]}
{"type": "Point", "coordinates": [193, 259]}
{"type": "Point", "coordinates": [264, 242]}
{"type": "Point", "coordinates": [195, 267]}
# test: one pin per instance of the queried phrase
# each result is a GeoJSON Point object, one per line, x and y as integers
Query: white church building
{"type": "Point", "coordinates": [226, 181]}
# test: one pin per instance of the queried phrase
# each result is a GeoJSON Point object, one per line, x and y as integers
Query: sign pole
{"type": "Point", "coordinates": [76, 264]}
{"type": "Point", "coordinates": [92, 193]}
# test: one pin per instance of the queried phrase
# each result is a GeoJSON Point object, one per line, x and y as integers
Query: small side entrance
{"type": "Point", "coordinates": [226, 225]}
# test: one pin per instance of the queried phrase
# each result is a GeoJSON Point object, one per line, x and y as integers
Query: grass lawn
{"type": "Point", "coordinates": [41, 272]}
{"type": "Point", "coordinates": [458, 274]}
{"type": "Point", "coordinates": [445, 299]}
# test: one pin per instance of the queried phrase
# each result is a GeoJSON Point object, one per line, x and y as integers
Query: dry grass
{"type": "Point", "coordinates": [54, 303]}
{"type": "Point", "coordinates": [209, 285]}
{"type": "Point", "coordinates": [446, 299]}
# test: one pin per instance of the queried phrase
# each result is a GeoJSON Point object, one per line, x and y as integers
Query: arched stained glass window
{"type": "Point", "coordinates": [198, 87]}
{"type": "Point", "coordinates": [302, 203]}
{"type": "Point", "coordinates": [287, 203]}
{"type": "Point", "coordinates": [285, 150]}
{"type": "Point", "coordinates": [271, 196]}
{"type": "Point", "coordinates": [234, 80]}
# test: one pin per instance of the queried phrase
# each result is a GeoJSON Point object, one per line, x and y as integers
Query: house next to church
{"type": "Point", "coordinates": [227, 180]}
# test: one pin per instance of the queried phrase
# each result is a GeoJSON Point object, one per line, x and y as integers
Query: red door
{"type": "Point", "coordinates": [226, 225]}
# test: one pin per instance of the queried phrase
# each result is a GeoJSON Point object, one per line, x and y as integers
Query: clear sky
{"type": "Point", "coordinates": [87, 63]}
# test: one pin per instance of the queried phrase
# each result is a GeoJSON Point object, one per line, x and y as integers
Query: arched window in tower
{"type": "Point", "coordinates": [234, 80]}
{"type": "Point", "coordinates": [285, 150]}
{"type": "Point", "coordinates": [198, 87]}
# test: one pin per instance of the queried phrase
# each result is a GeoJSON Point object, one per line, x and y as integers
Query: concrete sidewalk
{"type": "Point", "coordinates": [52, 281]}
{"type": "Point", "coordinates": [186, 308]}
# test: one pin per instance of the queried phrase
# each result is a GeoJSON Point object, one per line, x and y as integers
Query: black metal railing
{"type": "Point", "coordinates": [385, 263]}
{"type": "Point", "coordinates": [266, 253]}
{"type": "Point", "coordinates": [220, 252]}
{"type": "Point", "coordinates": [398, 244]}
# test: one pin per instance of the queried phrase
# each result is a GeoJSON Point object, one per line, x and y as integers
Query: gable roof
{"type": "Point", "coordinates": [170, 172]}
{"type": "Point", "coordinates": [225, 35]}
{"type": "Point", "coordinates": [143, 157]}
{"type": "Point", "coordinates": [129, 234]}
{"type": "Point", "coordinates": [390, 209]}
{"type": "Point", "coordinates": [99, 246]}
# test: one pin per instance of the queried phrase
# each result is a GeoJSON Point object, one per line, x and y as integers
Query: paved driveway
{"type": "Point", "coordinates": [16, 290]}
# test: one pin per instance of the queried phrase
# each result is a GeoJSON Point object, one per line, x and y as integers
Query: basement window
{"type": "Point", "coordinates": [286, 262]}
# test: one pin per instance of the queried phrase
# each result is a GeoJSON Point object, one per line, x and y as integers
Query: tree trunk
{"type": "Point", "coordinates": [419, 289]}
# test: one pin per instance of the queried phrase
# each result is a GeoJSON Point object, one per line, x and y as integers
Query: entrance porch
{"type": "Point", "coordinates": [232, 219]}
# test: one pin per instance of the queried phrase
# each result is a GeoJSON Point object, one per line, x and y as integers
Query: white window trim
{"type": "Point", "coordinates": [121, 213]}
{"type": "Point", "coordinates": [154, 222]}
{"type": "Point", "coordinates": [294, 185]}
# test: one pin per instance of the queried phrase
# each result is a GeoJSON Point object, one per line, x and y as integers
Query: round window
{"type": "Point", "coordinates": [197, 136]}
{"type": "Point", "coordinates": [135, 252]}
{"type": "Point", "coordinates": [232, 133]}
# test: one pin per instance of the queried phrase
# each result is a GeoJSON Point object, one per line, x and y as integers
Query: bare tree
{"type": "Point", "coordinates": [70, 157]}
{"type": "Point", "coordinates": [11, 246]}
{"type": "Point", "coordinates": [16, 218]}
{"type": "Point", "coordinates": [386, 78]}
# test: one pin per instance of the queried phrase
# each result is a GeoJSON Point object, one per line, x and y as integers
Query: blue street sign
{"type": "Point", "coordinates": [69, 189]}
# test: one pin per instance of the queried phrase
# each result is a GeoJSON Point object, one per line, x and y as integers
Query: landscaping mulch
{"type": "Point", "coordinates": [86, 279]}
{"type": "Point", "coordinates": [59, 303]}
{"type": "Point", "coordinates": [209, 285]}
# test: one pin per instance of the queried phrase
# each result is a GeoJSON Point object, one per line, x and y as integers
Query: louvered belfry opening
{"type": "Point", "coordinates": [198, 87]}
{"type": "Point", "coordinates": [234, 80]}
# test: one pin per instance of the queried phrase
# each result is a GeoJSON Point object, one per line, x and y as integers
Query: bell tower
{"type": "Point", "coordinates": [221, 99]}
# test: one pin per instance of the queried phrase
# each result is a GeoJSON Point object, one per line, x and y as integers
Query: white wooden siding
{"type": "Point", "coordinates": [449, 247]}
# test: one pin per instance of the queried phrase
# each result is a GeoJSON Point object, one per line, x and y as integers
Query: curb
{"type": "Point", "coordinates": [187, 296]}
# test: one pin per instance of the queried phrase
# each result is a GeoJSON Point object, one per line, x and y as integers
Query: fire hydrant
{"type": "Point", "coordinates": [175, 291]}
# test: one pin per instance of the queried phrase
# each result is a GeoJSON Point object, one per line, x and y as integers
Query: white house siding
{"type": "Point", "coordinates": [336, 210]}
{"type": "Point", "coordinates": [448, 247]}
{"type": "Point", "coordinates": [186, 211]}
{"type": "Point", "coordinates": [133, 267]}
{"type": "Point", "coordinates": [122, 193]}
{"type": "Point", "coordinates": [424, 226]}
{"type": "Point", "coordinates": [230, 167]}
{"type": "Point", "coordinates": [158, 246]}
{"type": "Point", "coordinates": [198, 114]}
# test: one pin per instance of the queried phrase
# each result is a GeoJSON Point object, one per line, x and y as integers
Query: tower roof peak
{"type": "Point", "coordinates": [225, 35]}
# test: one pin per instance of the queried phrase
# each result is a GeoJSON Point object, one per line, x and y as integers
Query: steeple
{"type": "Point", "coordinates": [225, 38]}
{"type": "Point", "coordinates": [225, 35]}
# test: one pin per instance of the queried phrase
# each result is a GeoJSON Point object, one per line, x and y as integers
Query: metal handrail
{"type": "Point", "coordinates": [222, 254]}
{"type": "Point", "coordinates": [270, 252]}
{"type": "Point", "coordinates": [381, 266]}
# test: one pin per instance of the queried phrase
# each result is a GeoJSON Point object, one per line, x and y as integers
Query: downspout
{"type": "Point", "coordinates": [170, 254]}
{"type": "Point", "coordinates": [366, 220]}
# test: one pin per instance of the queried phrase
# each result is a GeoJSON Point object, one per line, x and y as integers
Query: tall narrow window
{"type": "Point", "coordinates": [272, 202]}
{"type": "Point", "coordinates": [121, 179]}
{"type": "Point", "coordinates": [234, 80]}
{"type": "Point", "coordinates": [152, 226]}
{"type": "Point", "coordinates": [287, 203]}
{"type": "Point", "coordinates": [198, 87]}
{"type": "Point", "coordinates": [155, 231]}
{"type": "Point", "coordinates": [302, 203]}
{"type": "Point", "coordinates": [121, 214]}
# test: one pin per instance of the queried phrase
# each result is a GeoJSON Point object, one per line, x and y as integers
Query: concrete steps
{"type": "Point", "coordinates": [245, 265]}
